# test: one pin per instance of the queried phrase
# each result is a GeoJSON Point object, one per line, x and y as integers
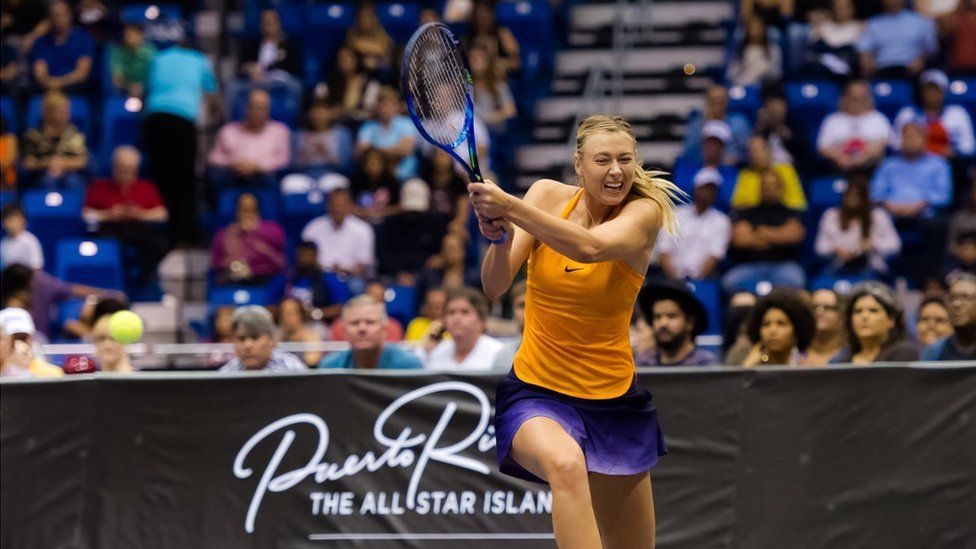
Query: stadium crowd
{"type": "Point", "coordinates": [315, 191]}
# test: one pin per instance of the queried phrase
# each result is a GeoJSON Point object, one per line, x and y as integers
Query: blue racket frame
{"type": "Point", "coordinates": [472, 166]}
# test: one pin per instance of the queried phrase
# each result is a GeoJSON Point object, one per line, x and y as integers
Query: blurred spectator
{"type": "Point", "coordinates": [758, 59]}
{"type": "Point", "coordinates": [962, 314]}
{"type": "Point", "coordinates": [896, 182]}
{"type": "Point", "coordinates": [129, 209]}
{"type": "Point", "coordinates": [55, 154]}
{"type": "Point", "coordinates": [505, 358]}
{"type": "Point", "coordinates": [9, 157]}
{"type": "Point", "coordinates": [19, 245]}
{"type": "Point", "coordinates": [765, 241]}
{"type": "Point", "coordinates": [493, 99]}
{"type": "Point", "coordinates": [832, 42]}
{"type": "Point", "coordinates": [9, 68]}
{"type": "Point", "coordinates": [469, 348]}
{"type": "Point", "coordinates": [369, 40]}
{"type": "Point", "coordinates": [249, 152]}
{"type": "Point", "coordinates": [274, 56]}
{"type": "Point", "coordinates": [220, 332]}
{"type": "Point", "coordinates": [24, 19]}
{"type": "Point", "coordinates": [716, 108]}
{"type": "Point", "coordinates": [897, 43]}
{"type": "Point", "coordinates": [392, 133]}
{"type": "Point", "coordinates": [735, 339]}
{"type": "Point", "coordinates": [293, 321]}
{"type": "Point", "coordinates": [829, 338]}
{"type": "Point", "coordinates": [875, 326]}
{"type": "Point", "coordinates": [93, 309]}
{"type": "Point", "coordinates": [346, 244]}
{"type": "Point", "coordinates": [406, 241]}
{"type": "Point", "coordinates": [962, 255]}
{"type": "Point", "coordinates": [855, 136]}
{"type": "Point", "coordinates": [18, 357]}
{"type": "Point", "coordinates": [498, 41]}
{"type": "Point", "coordinates": [857, 237]}
{"type": "Point", "coordinates": [933, 321]}
{"type": "Point", "coordinates": [703, 233]}
{"type": "Point", "coordinates": [774, 13]}
{"type": "Point", "coordinates": [364, 323]}
{"type": "Point", "coordinates": [178, 79]}
{"type": "Point", "coordinates": [350, 86]}
{"type": "Point", "coordinates": [949, 128]}
{"type": "Point", "coordinates": [129, 62]}
{"type": "Point", "coordinates": [781, 328]}
{"type": "Point", "coordinates": [448, 268]}
{"type": "Point", "coordinates": [772, 123]}
{"type": "Point", "coordinates": [375, 190]}
{"type": "Point", "coordinates": [62, 58]}
{"type": "Point", "coordinates": [958, 28]}
{"type": "Point", "coordinates": [748, 185]}
{"type": "Point", "coordinates": [716, 135]}
{"type": "Point", "coordinates": [254, 344]}
{"type": "Point", "coordinates": [40, 293]}
{"type": "Point", "coordinates": [250, 250]}
{"type": "Point", "coordinates": [111, 355]}
{"type": "Point", "coordinates": [325, 144]}
{"type": "Point", "coordinates": [676, 318]}
{"type": "Point", "coordinates": [307, 283]}
{"type": "Point", "coordinates": [448, 192]}
{"type": "Point", "coordinates": [963, 220]}
{"type": "Point", "coordinates": [377, 291]}
{"type": "Point", "coordinates": [432, 308]}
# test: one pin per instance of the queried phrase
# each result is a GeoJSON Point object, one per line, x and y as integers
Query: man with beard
{"type": "Point", "coordinates": [961, 302]}
{"type": "Point", "coordinates": [676, 318]}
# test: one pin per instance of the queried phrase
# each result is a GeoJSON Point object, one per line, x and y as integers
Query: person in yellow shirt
{"type": "Point", "coordinates": [747, 187]}
{"type": "Point", "coordinates": [17, 354]}
{"type": "Point", "coordinates": [569, 413]}
{"type": "Point", "coordinates": [432, 308]}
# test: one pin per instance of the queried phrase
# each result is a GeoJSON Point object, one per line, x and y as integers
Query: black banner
{"type": "Point", "coordinates": [866, 457]}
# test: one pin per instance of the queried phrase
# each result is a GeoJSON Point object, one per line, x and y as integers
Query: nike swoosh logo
{"type": "Point", "coordinates": [568, 270]}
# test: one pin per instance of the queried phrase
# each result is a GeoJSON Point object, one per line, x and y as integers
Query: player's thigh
{"type": "Point", "coordinates": [624, 507]}
{"type": "Point", "coordinates": [544, 448]}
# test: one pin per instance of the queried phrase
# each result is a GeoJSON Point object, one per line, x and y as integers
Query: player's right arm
{"type": "Point", "coordinates": [503, 261]}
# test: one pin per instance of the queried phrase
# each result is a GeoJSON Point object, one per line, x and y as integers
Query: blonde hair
{"type": "Point", "coordinates": [647, 184]}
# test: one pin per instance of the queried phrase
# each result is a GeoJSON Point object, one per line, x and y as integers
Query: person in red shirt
{"type": "Point", "coordinates": [130, 210]}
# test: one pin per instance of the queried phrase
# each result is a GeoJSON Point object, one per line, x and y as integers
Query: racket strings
{"type": "Point", "coordinates": [437, 79]}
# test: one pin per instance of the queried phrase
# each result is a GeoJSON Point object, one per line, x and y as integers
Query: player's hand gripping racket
{"type": "Point", "coordinates": [437, 85]}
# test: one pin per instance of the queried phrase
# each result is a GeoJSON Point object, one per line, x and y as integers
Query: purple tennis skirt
{"type": "Point", "coordinates": [619, 436]}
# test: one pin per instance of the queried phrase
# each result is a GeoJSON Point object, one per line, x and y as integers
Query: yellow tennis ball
{"type": "Point", "coordinates": [125, 327]}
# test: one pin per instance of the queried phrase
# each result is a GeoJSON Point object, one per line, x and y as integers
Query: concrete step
{"type": "Point", "coordinates": [645, 59]}
{"type": "Point", "coordinates": [546, 156]}
{"type": "Point", "coordinates": [639, 83]}
{"type": "Point", "coordinates": [698, 34]}
{"type": "Point", "coordinates": [561, 108]}
{"type": "Point", "coordinates": [594, 15]}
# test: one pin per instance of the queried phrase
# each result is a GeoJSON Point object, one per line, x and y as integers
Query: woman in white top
{"type": "Point", "coordinates": [759, 58]}
{"type": "Point", "coordinates": [831, 42]}
{"type": "Point", "coordinates": [856, 237]}
{"type": "Point", "coordinates": [856, 135]}
{"type": "Point", "coordinates": [465, 320]}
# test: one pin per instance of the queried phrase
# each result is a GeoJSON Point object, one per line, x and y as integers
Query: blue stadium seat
{"type": "Point", "coordinates": [891, 95]}
{"type": "Point", "coordinates": [9, 114]}
{"type": "Point", "coordinates": [401, 303]}
{"type": "Point", "coordinates": [81, 115]}
{"type": "Point", "coordinates": [53, 215]}
{"type": "Point", "coordinates": [338, 287]}
{"type": "Point", "coordinates": [143, 13]}
{"type": "Point", "coordinates": [810, 102]}
{"type": "Point", "coordinates": [227, 204]}
{"type": "Point", "coordinates": [121, 125]}
{"type": "Point", "coordinates": [826, 192]}
{"type": "Point", "coordinates": [239, 295]}
{"type": "Point", "coordinates": [841, 284]}
{"type": "Point", "coordinates": [285, 105]}
{"type": "Point", "coordinates": [963, 92]}
{"type": "Point", "coordinates": [325, 31]}
{"type": "Point", "coordinates": [95, 262]}
{"type": "Point", "coordinates": [745, 100]}
{"type": "Point", "coordinates": [68, 310]}
{"type": "Point", "coordinates": [531, 23]}
{"type": "Point", "coordinates": [399, 19]}
{"type": "Point", "coordinates": [709, 292]}
{"type": "Point", "coordinates": [298, 209]}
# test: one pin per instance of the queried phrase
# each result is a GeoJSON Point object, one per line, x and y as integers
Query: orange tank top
{"type": "Point", "coordinates": [577, 324]}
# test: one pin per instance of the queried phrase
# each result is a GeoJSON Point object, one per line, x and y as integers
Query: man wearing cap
{"type": "Point", "coordinates": [17, 357]}
{"type": "Point", "coordinates": [896, 43]}
{"type": "Point", "coordinates": [717, 108]}
{"type": "Point", "coordinates": [949, 128]}
{"type": "Point", "coordinates": [703, 233]}
{"type": "Point", "coordinates": [716, 136]}
{"type": "Point", "coordinates": [676, 318]}
{"type": "Point", "coordinates": [856, 135]}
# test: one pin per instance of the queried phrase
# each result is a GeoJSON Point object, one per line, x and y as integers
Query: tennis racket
{"type": "Point", "coordinates": [437, 85]}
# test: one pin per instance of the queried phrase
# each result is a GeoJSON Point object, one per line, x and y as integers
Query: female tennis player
{"type": "Point", "coordinates": [569, 412]}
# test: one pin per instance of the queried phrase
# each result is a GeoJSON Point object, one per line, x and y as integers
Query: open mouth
{"type": "Point", "coordinates": [614, 187]}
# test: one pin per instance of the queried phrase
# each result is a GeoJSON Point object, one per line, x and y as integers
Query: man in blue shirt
{"type": "Point", "coordinates": [176, 84]}
{"type": "Point", "coordinates": [896, 43]}
{"type": "Point", "coordinates": [62, 58]}
{"type": "Point", "coordinates": [392, 133]}
{"type": "Point", "coordinates": [916, 183]}
{"type": "Point", "coordinates": [364, 323]}
{"type": "Point", "coordinates": [717, 108]}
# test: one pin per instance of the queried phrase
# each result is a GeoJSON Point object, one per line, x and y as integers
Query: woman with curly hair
{"type": "Point", "coordinates": [875, 326]}
{"type": "Point", "coordinates": [780, 328]}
